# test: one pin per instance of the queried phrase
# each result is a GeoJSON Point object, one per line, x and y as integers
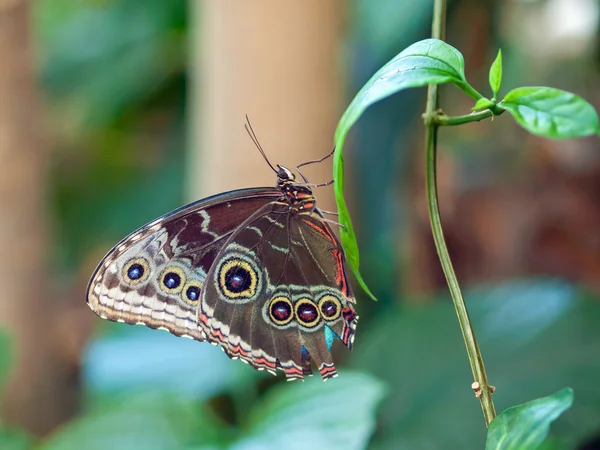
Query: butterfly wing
{"type": "Point", "coordinates": [278, 296]}
{"type": "Point", "coordinates": [155, 275]}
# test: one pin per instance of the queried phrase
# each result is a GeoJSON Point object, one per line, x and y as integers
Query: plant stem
{"type": "Point", "coordinates": [469, 90]}
{"type": "Point", "coordinates": [443, 120]}
{"type": "Point", "coordinates": [482, 389]}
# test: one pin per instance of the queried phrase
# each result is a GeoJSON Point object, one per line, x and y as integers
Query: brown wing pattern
{"type": "Point", "coordinates": [278, 294]}
{"type": "Point", "coordinates": [154, 276]}
{"type": "Point", "coordinates": [241, 270]}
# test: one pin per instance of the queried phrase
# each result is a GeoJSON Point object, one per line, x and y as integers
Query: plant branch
{"type": "Point", "coordinates": [481, 386]}
{"type": "Point", "coordinates": [448, 121]}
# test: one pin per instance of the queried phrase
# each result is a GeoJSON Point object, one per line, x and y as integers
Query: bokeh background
{"type": "Point", "coordinates": [113, 112]}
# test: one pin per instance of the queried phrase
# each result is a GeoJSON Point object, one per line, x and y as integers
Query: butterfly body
{"type": "Point", "coordinates": [256, 271]}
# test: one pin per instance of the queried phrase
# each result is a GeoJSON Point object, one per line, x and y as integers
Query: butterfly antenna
{"type": "Point", "coordinates": [313, 162]}
{"type": "Point", "coordinates": [254, 138]}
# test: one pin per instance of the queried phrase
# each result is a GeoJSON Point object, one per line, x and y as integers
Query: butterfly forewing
{"type": "Point", "coordinates": [155, 275]}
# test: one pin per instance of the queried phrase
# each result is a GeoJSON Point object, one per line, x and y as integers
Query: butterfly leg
{"type": "Point", "coordinates": [332, 222]}
{"type": "Point", "coordinates": [331, 213]}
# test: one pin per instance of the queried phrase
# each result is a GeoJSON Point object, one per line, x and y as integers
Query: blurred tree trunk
{"type": "Point", "coordinates": [278, 63]}
{"type": "Point", "coordinates": [36, 396]}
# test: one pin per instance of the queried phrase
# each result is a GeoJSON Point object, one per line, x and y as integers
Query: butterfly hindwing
{"type": "Point", "coordinates": [276, 294]}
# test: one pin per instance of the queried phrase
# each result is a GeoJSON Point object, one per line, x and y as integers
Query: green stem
{"type": "Point", "coordinates": [469, 90]}
{"type": "Point", "coordinates": [482, 389]}
{"type": "Point", "coordinates": [447, 121]}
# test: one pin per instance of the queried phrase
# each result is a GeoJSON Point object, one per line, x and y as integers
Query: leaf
{"type": "Point", "coordinates": [553, 443]}
{"type": "Point", "coordinates": [138, 359]}
{"type": "Point", "coordinates": [148, 421]}
{"type": "Point", "coordinates": [496, 74]}
{"type": "Point", "coordinates": [524, 427]}
{"type": "Point", "coordinates": [483, 103]}
{"type": "Point", "coordinates": [430, 61]}
{"type": "Point", "coordinates": [551, 113]}
{"type": "Point", "coordinates": [339, 414]}
{"type": "Point", "coordinates": [529, 332]}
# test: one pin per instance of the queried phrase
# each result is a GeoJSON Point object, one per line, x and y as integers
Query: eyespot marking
{"type": "Point", "coordinates": [330, 307]}
{"type": "Point", "coordinates": [191, 292]}
{"type": "Point", "coordinates": [307, 313]}
{"type": "Point", "coordinates": [135, 271]}
{"type": "Point", "coordinates": [281, 310]}
{"type": "Point", "coordinates": [238, 279]}
{"type": "Point", "coordinates": [172, 280]}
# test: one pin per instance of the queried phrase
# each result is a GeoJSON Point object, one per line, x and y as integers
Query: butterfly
{"type": "Point", "coordinates": [258, 272]}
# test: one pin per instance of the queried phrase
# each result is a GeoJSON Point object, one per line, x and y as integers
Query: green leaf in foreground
{"type": "Point", "coordinates": [551, 113]}
{"type": "Point", "coordinates": [531, 331]}
{"type": "Point", "coordinates": [525, 427]}
{"type": "Point", "coordinates": [145, 420]}
{"type": "Point", "coordinates": [430, 61]}
{"type": "Point", "coordinates": [339, 414]}
{"type": "Point", "coordinates": [496, 74]}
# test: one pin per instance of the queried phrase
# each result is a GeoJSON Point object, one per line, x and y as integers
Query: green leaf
{"type": "Point", "coordinates": [551, 113]}
{"type": "Point", "coordinates": [160, 362]}
{"type": "Point", "coordinates": [553, 443]}
{"type": "Point", "coordinates": [339, 414]}
{"type": "Point", "coordinates": [525, 427]}
{"type": "Point", "coordinates": [430, 61]}
{"type": "Point", "coordinates": [496, 74]}
{"type": "Point", "coordinates": [346, 230]}
{"type": "Point", "coordinates": [147, 421]}
{"type": "Point", "coordinates": [530, 334]}
{"type": "Point", "coordinates": [483, 103]}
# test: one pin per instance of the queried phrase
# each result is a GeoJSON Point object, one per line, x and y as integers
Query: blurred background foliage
{"type": "Point", "coordinates": [522, 216]}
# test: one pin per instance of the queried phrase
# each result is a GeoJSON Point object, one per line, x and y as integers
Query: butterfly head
{"type": "Point", "coordinates": [285, 175]}
{"type": "Point", "coordinates": [298, 195]}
